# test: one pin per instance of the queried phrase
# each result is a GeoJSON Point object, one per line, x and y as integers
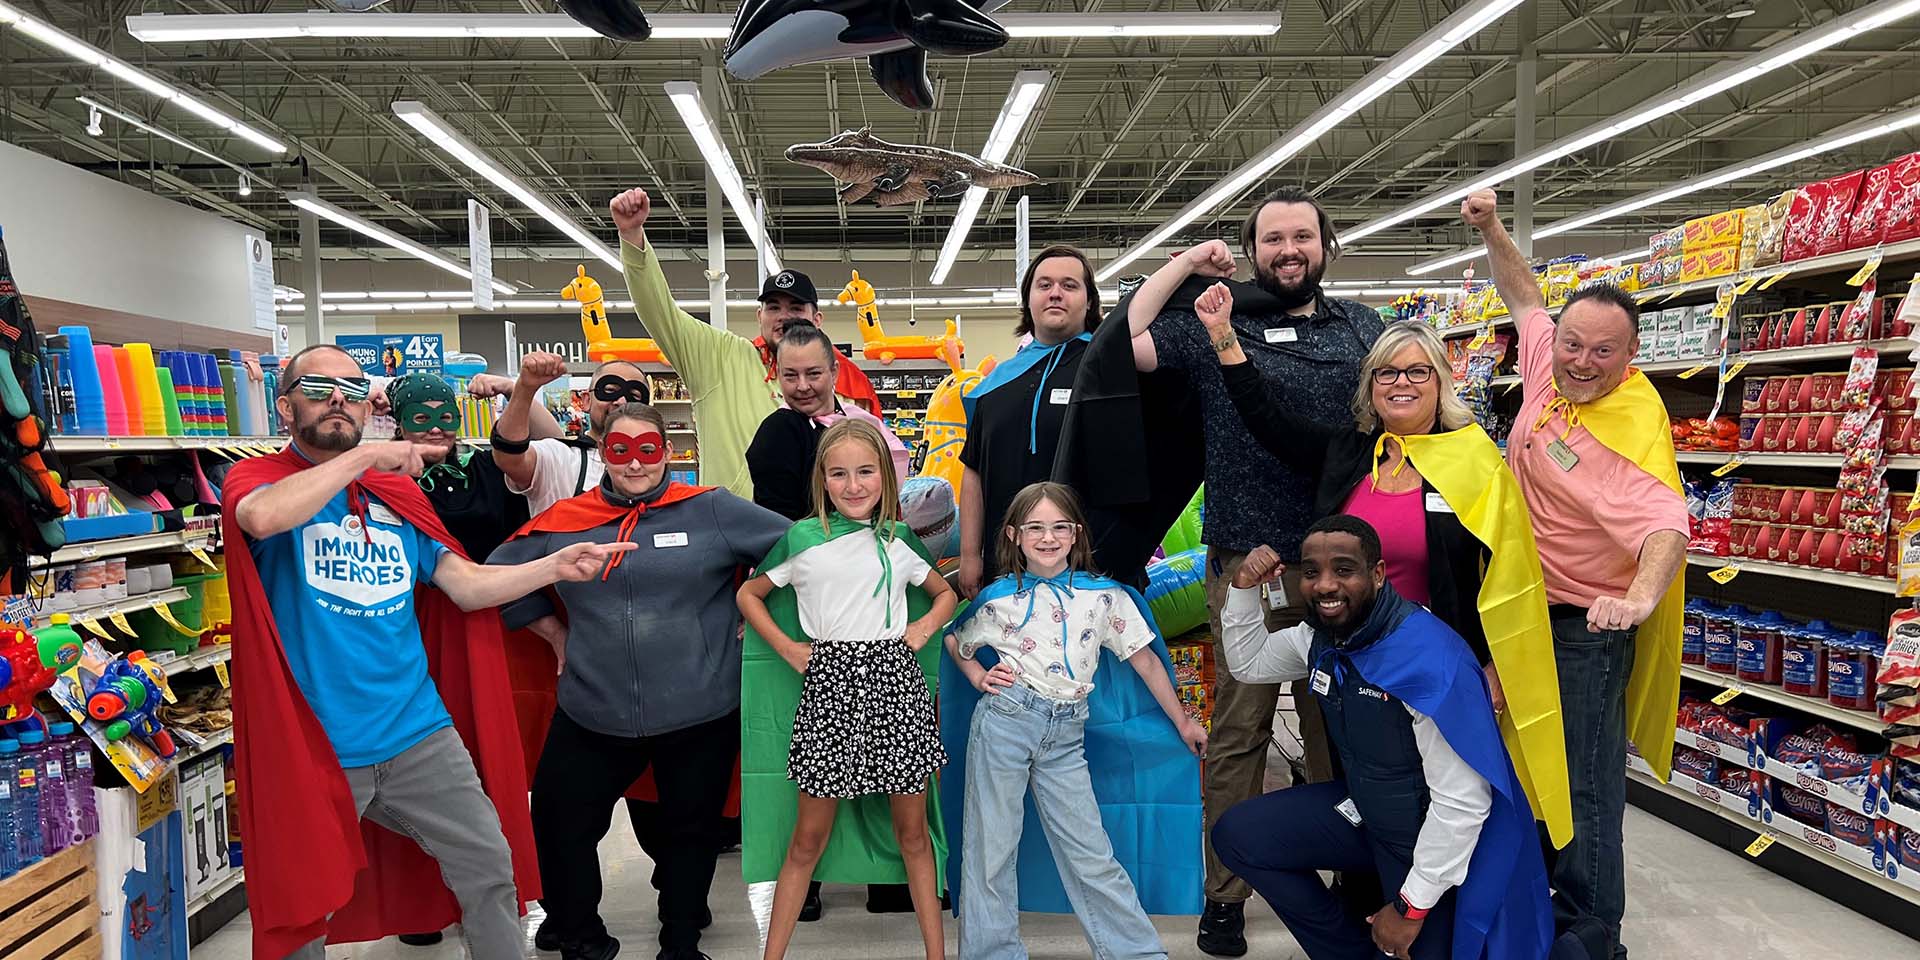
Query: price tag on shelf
{"type": "Point", "coordinates": [120, 620]}
{"type": "Point", "coordinates": [1724, 574]}
{"type": "Point", "coordinates": [1760, 844]}
{"type": "Point", "coordinates": [1723, 697]}
{"type": "Point", "coordinates": [165, 613]}
{"type": "Point", "coordinates": [1688, 373]}
{"type": "Point", "coordinates": [1511, 384]}
{"type": "Point", "coordinates": [1862, 275]}
{"type": "Point", "coordinates": [1730, 466]}
{"type": "Point", "coordinates": [1647, 296]}
{"type": "Point", "coordinates": [1775, 277]}
{"type": "Point", "coordinates": [1480, 338]}
{"type": "Point", "coordinates": [906, 394]}
{"type": "Point", "coordinates": [1677, 293]}
{"type": "Point", "coordinates": [199, 552]}
{"type": "Point", "coordinates": [1733, 371]}
{"type": "Point", "coordinates": [220, 671]}
{"type": "Point", "coordinates": [1746, 286]}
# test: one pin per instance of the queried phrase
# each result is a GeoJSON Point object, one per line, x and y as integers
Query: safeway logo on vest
{"type": "Point", "coordinates": [365, 566]}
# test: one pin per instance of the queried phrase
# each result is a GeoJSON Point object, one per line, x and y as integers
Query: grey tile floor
{"type": "Point", "coordinates": [1686, 899]}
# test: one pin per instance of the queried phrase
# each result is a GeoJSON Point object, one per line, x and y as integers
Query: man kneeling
{"type": "Point", "coordinates": [1428, 799]}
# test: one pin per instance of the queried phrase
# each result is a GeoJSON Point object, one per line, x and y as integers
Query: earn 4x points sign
{"type": "Point", "coordinates": [394, 355]}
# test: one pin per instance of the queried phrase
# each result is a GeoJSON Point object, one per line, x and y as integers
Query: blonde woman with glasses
{"type": "Point", "coordinates": [1454, 530]}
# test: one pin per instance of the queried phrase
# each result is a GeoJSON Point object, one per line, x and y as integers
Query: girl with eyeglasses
{"type": "Point", "coordinates": [1454, 530]}
{"type": "Point", "coordinates": [1029, 716]}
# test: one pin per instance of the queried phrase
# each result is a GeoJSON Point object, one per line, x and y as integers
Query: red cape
{"type": "Point", "coordinates": [851, 382]}
{"type": "Point", "coordinates": [530, 660]}
{"type": "Point", "coordinates": [308, 855]}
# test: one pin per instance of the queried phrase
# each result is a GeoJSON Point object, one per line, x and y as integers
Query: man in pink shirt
{"type": "Point", "coordinates": [1612, 538]}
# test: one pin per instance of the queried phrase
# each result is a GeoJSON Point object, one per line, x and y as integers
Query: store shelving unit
{"type": "Point", "coordinates": [1792, 571]}
{"type": "Point", "coordinates": [121, 546]}
{"type": "Point", "coordinates": [1856, 719]}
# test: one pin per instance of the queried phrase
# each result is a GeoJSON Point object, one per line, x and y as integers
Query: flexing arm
{"type": "Point", "coordinates": [1146, 662]}
{"type": "Point", "coordinates": [1512, 276]}
{"type": "Point", "coordinates": [1660, 558]}
{"type": "Point", "coordinates": [973, 529]}
{"type": "Point", "coordinates": [293, 501]}
{"type": "Point", "coordinates": [540, 422]}
{"type": "Point", "coordinates": [475, 586]}
{"type": "Point", "coordinates": [696, 350]}
{"type": "Point", "coordinates": [1211, 258]}
{"type": "Point", "coordinates": [1253, 654]}
{"type": "Point", "coordinates": [536, 371]}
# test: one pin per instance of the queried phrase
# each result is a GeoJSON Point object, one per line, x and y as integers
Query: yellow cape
{"type": "Point", "coordinates": [1632, 422]}
{"type": "Point", "coordinates": [1466, 468]}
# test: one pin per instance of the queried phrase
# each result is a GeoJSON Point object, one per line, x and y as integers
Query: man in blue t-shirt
{"type": "Point", "coordinates": [339, 568]}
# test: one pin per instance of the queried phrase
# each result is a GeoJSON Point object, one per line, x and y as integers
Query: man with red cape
{"type": "Point", "coordinates": [372, 714]}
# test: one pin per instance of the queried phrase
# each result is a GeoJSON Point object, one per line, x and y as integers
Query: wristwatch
{"type": "Point", "coordinates": [1408, 910]}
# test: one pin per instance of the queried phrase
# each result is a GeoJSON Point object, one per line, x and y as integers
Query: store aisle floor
{"type": "Point", "coordinates": [1686, 898]}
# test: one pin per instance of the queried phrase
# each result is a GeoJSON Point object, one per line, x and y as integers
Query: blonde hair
{"type": "Point", "coordinates": [886, 513]}
{"type": "Point", "coordinates": [1006, 551]}
{"type": "Point", "coordinates": [1450, 412]}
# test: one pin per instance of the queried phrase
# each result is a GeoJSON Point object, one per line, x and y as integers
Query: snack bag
{"type": "Point", "coordinates": [1857, 393]}
{"type": "Point", "coordinates": [1907, 582]}
{"type": "Point", "coordinates": [1857, 323]}
{"type": "Point", "coordinates": [1807, 203]}
{"type": "Point", "coordinates": [1773, 232]}
{"type": "Point", "coordinates": [1830, 222]}
{"type": "Point", "coordinates": [1902, 217]}
{"type": "Point", "coordinates": [1869, 221]}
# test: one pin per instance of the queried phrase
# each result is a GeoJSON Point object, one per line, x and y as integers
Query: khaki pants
{"type": "Point", "coordinates": [1236, 766]}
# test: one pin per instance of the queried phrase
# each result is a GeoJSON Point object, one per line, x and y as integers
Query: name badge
{"type": "Point", "coordinates": [1277, 595]}
{"type": "Point", "coordinates": [1347, 809]}
{"type": "Point", "coordinates": [1438, 504]}
{"type": "Point", "coordinates": [670, 539]}
{"type": "Point", "coordinates": [1282, 335]}
{"type": "Point", "coordinates": [1322, 682]}
{"type": "Point", "coordinates": [1061, 395]}
{"type": "Point", "coordinates": [380, 514]}
{"type": "Point", "coordinates": [1562, 454]}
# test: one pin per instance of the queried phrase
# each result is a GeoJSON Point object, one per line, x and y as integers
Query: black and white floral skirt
{"type": "Point", "coordinates": [865, 723]}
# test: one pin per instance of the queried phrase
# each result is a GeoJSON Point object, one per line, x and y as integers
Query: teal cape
{"type": "Point", "coordinates": [1501, 909]}
{"type": "Point", "coordinates": [862, 848]}
{"type": "Point", "coordinates": [1005, 373]}
{"type": "Point", "coordinates": [1145, 780]}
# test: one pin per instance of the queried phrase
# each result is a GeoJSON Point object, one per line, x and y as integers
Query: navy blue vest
{"type": "Point", "coordinates": [1374, 736]}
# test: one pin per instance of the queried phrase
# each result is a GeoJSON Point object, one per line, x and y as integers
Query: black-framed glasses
{"type": "Point", "coordinates": [613, 388]}
{"type": "Point", "coordinates": [314, 386]}
{"type": "Point", "coordinates": [1061, 530]}
{"type": "Point", "coordinates": [1418, 373]}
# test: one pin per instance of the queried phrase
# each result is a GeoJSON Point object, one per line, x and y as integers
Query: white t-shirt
{"type": "Point", "coordinates": [1037, 647]}
{"type": "Point", "coordinates": [556, 474]}
{"type": "Point", "coordinates": [834, 583]}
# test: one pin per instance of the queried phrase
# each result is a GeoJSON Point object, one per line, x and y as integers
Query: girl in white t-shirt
{"type": "Point", "coordinates": [1048, 621]}
{"type": "Point", "coordinates": [864, 724]}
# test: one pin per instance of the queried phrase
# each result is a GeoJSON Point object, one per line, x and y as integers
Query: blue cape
{"type": "Point", "coordinates": [1145, 781]}
{"type": "Point", "coordinates": [1501, 909]}
{"type": "Point", "coordinates": [1005, 373]}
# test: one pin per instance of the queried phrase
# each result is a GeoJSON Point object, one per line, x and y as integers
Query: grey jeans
{"type": "Point", "coordinates": [431, 793]}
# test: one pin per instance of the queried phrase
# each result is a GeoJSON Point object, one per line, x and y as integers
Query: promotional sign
{"type": "Point", "coordinates": [260, 282]}
{"type": "Point", "coordinates": [393, 355]}
{"type": "Point", "coordinates": [480, 254]}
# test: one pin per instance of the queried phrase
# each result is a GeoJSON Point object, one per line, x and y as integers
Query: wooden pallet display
{"type": "Point", "coordinates": [47, 911]}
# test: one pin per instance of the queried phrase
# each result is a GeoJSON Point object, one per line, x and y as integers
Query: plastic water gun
{"type": "Point", "coordinates": [126, 699]}
{"type": "Point", "coordinates": [22, 674]}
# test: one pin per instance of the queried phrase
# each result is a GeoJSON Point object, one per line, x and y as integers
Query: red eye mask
{"type": "Point", "coordinates": [648, 448]}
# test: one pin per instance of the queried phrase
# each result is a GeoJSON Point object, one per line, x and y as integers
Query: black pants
{"type": "Point", "coordinates": [582, 775]}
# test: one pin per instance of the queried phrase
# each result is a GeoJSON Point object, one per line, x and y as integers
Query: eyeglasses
{"type": "Point", "coordinates": [612, 388]}
{"type": "Point", "coordinates": [313, 386]}
{"type": "Point", "coordinates": [1060, 531]}
{"type": "Point", "coordinates": [1418, 373]}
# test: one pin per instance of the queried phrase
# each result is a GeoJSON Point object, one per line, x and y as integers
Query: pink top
{"type": "Point", "coordinates": [902, 457]}
{"type": "Point", "coordinates": [1401, 521]}
{"type": "Point", "coordinates": [1590, 520]}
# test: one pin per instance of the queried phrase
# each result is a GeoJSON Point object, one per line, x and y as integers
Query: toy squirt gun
{"type": "Point", "coordinates": [127, 698]}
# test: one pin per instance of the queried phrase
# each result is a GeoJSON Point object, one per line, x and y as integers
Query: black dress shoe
{"type": "Point", "coordinates": [544, 939]}
{"type": "Point", "coordinates": [1223, 930]}
{"type": "Point", "coordinates": [606, 948]}
{"type": "Point", "coordinates": [421, 939]}
{"type": "Point", "coordinates": [889, 898]}
{"type": "Point", "coordinates": [810, 908]}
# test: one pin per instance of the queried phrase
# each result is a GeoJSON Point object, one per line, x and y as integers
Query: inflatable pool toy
{"type": "Point", "coordinates": [946, 422]}
{"type": "Point", "coordinates": [874, 342]}
{"type": "Point", "coordinates": [929, 506]}
{"type": "Point", "coordinates": [597, 332]}
{"type": "Point", "coordinates": [1177, 593]}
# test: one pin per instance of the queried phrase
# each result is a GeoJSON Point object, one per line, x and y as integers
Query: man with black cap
{"type": "Point", "coordinates": [730, 376]}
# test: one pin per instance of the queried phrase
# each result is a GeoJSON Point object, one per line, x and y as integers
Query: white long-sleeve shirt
{"type": "Point", "coordinates": [1458, 797]}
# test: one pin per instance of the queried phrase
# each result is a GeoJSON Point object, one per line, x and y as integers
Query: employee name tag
{"type": "Point", "coordinates": [1562, 454]}
{"type": "Point", "coordinates": [1061, 395]}
{"type": "Point", "coordinates": [670, 539]}
{"type": "Point", "coordinates": [1277, 595]}
{"type": "Point", "coordinates": [1347, 809]}
{"type": "Point", "coordinates": [1437, 504]}
{"type": "Point", "coordinates": [380, 514]}
{"type": "Point", "coordinates": [1322, 682]}
{"type": "Point", "coordinates": [1282, 335]}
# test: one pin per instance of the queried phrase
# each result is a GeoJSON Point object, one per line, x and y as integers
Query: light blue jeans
{"type": "Point", "coordinates": [1020, 739]}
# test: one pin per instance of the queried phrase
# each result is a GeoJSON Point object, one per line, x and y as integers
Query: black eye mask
{"type": "Point", "coordinates": [613, 388]}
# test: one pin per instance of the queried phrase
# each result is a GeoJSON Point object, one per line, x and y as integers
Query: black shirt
{"type": "Point", "coordinates": [1002, 426]}
{"type": "Point", "coordinates": [780, 461]}
{"type": "Point", "coordinates": [481, 513]}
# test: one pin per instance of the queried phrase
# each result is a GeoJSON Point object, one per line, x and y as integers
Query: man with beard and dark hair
{"type": "Point", "coordinates": [1428, 798]}
{"type": "Point", "coordinates": [1293, 334]}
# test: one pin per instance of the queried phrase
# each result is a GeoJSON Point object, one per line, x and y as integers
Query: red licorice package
{"type": "Point", "coordinates": [1869, 222]}
{"type": "Point", "coordinates": [1710, 516]}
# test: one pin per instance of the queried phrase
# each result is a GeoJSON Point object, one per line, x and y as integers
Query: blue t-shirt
{"type": "Point", "coordinates": [343, 600]}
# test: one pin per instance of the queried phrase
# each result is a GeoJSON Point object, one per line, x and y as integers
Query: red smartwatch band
{"type": "Point", "coordinates": [1411, 912]}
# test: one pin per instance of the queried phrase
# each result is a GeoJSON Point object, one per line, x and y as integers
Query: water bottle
{"type": "Point", "coordinates": [56, 833]}
{"type": "Point", "coordinates": [9, 853]}
{"type": "Point", "coordinates": [24, 776]}
{"type": "Point", "coordinates": [270, 369]}
{"type": "Point", "coordinates": [76, 752]}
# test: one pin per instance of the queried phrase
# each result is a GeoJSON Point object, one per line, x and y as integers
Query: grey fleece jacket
{"type": "Point", "coordinates": [656, 646]}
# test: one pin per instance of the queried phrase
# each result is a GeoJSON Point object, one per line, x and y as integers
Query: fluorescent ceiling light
{"type": "Point", "coordinates": [185, 28]}
{"type": "Point", "coordinates": [1869, 129]}
{"type": "Point", "coordinates": [1028, 85]}
{"type": "Point", "coordinates": [308, 202]}
{"type": "Point", "coordinates": [59, 40]}
{"type": "Point", "coordinates": [95, 108]}
{"type": "Point", "coordinates": [1442, 37]}
{"type": "Point", "coordinates": [685, 96]}
{"type": "Point", "coordinates": [443, 136]}
{"type": "Point", "coordinates": [1709, 83]}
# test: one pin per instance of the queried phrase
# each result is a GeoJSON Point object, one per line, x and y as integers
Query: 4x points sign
{"type": "Point", "coordinates": [394, 355]}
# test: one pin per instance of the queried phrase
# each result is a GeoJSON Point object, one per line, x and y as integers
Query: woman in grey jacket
{"type": "Point", "coordinates": [650, 678]}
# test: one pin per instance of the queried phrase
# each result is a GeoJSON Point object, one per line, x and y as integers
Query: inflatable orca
{"type": "Point", "coordinates": [894, 35]}
{"type": "Point", "coordinates": [613, 19]}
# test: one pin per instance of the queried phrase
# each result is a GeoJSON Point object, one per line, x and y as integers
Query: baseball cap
{"type": "Point", "coordinates": [793, 283]}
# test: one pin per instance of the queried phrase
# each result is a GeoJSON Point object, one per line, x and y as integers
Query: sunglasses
{"type": "Point", "coordinates": [1418, 373]}
{"type": "Point", "coordinates": [313, 386]}
{"type": "Point", "coordinates": [613, 388]}
{"type": "Point", "coordinates": [648, 448]}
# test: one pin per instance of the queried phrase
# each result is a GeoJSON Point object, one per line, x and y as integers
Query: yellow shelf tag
{"type": "Point", "coordinates": [1724, 696]}
{"type": "Point", "coordinates": [120, 620]}
{"type": "Point", "coordinates": [1775, 277]}
{"type": "Point", "coordinates": [906, 394]}
{"type": "Point", "coordinates": [1479, 340]}
{"type": "Point", "coordinates": [1865, 273]}
{"type": "Point", "coordinates": [220, 671]}
{"type": "Point", "coordinates": [165, 613]}
{"type": "Point", "coordinates": [1648, 296]}
{"type": "Point", "coordinates": [1677, 293]}
{"type": "Point", "coordinates": [1511, 384]}
{"type": "Point", "coordinates": [1746, 286]}
{"type": "Point", "coordinates": [200, 554]}
{"type": "Point", "coordinates": [1724, 574]}
{"type": "Point", "coordinates": [1733, 371]}
{"type": "Point", "coordinates": [1760, 844]}
{"type": "Point", "coordinates": [1696, 368]}
{"type": "Point", "coordinates": [1730, 466]}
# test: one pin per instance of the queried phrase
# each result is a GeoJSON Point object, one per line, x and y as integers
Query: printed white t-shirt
{"type": "Point", "coordinates": [834, 585]}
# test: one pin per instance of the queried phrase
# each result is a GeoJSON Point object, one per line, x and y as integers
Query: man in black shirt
{"type": "Point", "coordinates": [1014, 415]}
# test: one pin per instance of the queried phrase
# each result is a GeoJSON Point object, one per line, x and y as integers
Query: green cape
{"type": "Point", "coordinates": [862, 849]}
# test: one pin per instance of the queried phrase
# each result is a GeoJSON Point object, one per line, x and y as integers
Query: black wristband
{"type": "Point", "coordinates": [504, 445]}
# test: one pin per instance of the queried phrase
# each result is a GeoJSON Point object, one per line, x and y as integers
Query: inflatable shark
{"type": "Point", "coordinates": [613, 19]}
{"type": "Point", "coordinates": [894, 35]}
{"type": "Point", "coordinates": [898, 173]}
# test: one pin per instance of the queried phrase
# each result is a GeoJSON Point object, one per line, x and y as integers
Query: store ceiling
{"type": "Point", "coordinates": [1130, 131]}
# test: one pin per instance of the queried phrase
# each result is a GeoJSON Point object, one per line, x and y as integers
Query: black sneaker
{"type": "Point", "coordinates": [605, 949]}
{"type": "Point", "coordinates": [810, 908]}
{"type": "Point", "coordinates": [1223, 930]}
{"type": "Point", "coordinates": [889, 898]}
{"type": "Point", "coordinates": [544, 939]}
{"type": "Point", "coordinates": [685, 953]}
{"type": "Point", "coordinates": [421, 939]}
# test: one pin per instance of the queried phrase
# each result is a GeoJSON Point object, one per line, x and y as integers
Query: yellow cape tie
{"type": "Point", "coordinates": [1380, 450]}
{"type": "Point", "coordinates": [1568, 410]}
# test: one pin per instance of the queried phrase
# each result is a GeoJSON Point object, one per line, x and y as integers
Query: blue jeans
{"type": "Point", "coordinates": [1589, 875]}
{"type": "Point", "coordinates": [1018, 740]}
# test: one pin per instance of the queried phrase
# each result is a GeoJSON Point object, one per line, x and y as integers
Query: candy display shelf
{"type": "Point", "coordinates": [1832, 460]}
{"type": "Point", "coordinates": [1858, 719]}
{"type": "Point", "coordinates": [1816, 574]}
{"type": "Point", "coordinates": [1832, 263]}
{"type": "Point", "coordinates": [144, 543]}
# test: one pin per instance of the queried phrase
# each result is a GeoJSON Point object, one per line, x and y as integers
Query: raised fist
{"type": "Point", "coordinates": [630, 211]}
{"type": "Point", "coordinates": [1215, 309]}
{"type": "Point", "coordinates": [1481, 209]}
{"type": "Point", "coordinates": [537, 369]}
{"type": "Point", "coordinates": [1261, 566]}
{"type": "Point", "coordinates": [1211, 259]}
